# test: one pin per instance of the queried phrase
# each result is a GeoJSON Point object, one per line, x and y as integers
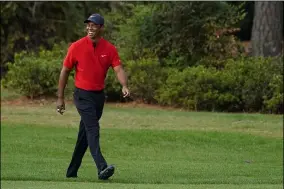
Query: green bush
{"type": "Point", "coordinates": [193, 88]}
{"type": "Point", "coordinates": [241, 84]}
{"type": "Point", "coordinates": [245, 84]}
{"type": "Point", "coordinates": [273, 101]}
{"type": "Point", "coordinates": [253, 80]}
{"type": "Point", "coordinates": [35, 74]}
{"type": "Point", "coordinates": [112, 87]}
{"type": "Point", "coordinates": [274, 104]}
{"type": "Point", "coordinates": [145, 77]}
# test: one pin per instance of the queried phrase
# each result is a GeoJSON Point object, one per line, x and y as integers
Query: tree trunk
{"type": "Point", "coordinates": [267, 31]}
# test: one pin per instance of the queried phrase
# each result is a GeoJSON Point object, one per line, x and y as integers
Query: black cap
{"type": "Point", "coordinates": [96, 18]}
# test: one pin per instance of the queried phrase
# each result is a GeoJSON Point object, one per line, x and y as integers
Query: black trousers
{"type": "Point", "coordinates": [90, 106]}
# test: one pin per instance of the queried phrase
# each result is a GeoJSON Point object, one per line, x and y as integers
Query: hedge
{"type": "Point", "coordinates": [244, 84]}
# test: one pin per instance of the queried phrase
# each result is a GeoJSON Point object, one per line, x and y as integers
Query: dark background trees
{"type": "Point", "coordinates": [29, 25]}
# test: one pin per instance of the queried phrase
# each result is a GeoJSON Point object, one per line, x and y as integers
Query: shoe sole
{"type": "Point", "coordinates": [107, 173]}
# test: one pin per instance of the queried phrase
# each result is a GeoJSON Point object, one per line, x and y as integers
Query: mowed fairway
{"type": "Point", "coordinates": [150, 148]}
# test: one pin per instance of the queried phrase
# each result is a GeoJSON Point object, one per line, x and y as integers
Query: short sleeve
{"type": "Point", "coordinates": [70, 60]}
{"type": "Point", "coordinates": [115, 60]}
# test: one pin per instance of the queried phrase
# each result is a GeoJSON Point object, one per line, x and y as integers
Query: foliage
{"type": "Point", "coordinates": [190, 88]}
{"type": "Point", "coordinates": [252, 80]}
{"type": "Point", "coordinates": [31, 25]}
{"type": "Point", "coordinates": [34, 74]}
{"type": "Point", "coordinates": [245, 84]}
{"type": "Point", "coordinates": [169, 50]}
{"type": "Point", "coordinates": [145, 77]}
{"type": "Point", "coordinates": [112, 87]}
{"type": "Point", "coordinates": [183, 32]}
{"type": "Point", "coordinates": [274, 101]}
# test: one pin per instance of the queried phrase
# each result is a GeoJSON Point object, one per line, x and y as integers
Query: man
{"type": "Point", "coordinates": [91, 56]}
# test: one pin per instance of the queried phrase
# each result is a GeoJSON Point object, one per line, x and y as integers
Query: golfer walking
{"type": "Point", "coordinates": [91, 56]}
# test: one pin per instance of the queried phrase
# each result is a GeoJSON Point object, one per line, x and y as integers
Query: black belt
{"type": "Point", "coordinates": [92, 91]}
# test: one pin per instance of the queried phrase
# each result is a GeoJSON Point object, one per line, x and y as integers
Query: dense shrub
{"type": "Point", "coordinates": [112, 87]}
{"type": "Point", "coordinates": [245, 84]}
{"type": "Point", "coordinates": [251, 80]}
{"type": "Point", "coordinates": [34, 74]}
{"type": "Point", "coordinates": [145, 76]}
{"type": "Point", "coordinates": [189, 88]}
{"type": "Point", "coordinates": [273, 102]}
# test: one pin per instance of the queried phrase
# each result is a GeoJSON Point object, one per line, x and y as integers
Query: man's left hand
{"type": "Point", "coordinates": [125, 92]}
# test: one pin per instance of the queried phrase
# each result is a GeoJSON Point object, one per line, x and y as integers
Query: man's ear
{"type": "Point", "coordinates": [102, 29]}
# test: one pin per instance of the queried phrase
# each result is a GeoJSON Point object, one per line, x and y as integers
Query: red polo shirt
{"type": "Point", "coordinates": [91, 63]}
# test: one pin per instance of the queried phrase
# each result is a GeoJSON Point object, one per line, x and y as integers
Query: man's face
{"type": "Point", "coordinates": [93, 30]}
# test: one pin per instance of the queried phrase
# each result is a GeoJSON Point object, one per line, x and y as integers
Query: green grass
{"type": "Point", "coordinates": [150, 148]}
{"type": "Point", "coordinates": [84, 185]}
{"type": "Point", "coordinates": [151, 119]}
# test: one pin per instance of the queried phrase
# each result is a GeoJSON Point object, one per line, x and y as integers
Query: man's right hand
{"type": "Point", "coordinates": [61, 85]}
{"type": "Point", "coordinates": [60, 105]}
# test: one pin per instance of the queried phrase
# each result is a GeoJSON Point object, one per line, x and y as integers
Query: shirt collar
{"type": "Point", "coordinates": [91, 42]}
